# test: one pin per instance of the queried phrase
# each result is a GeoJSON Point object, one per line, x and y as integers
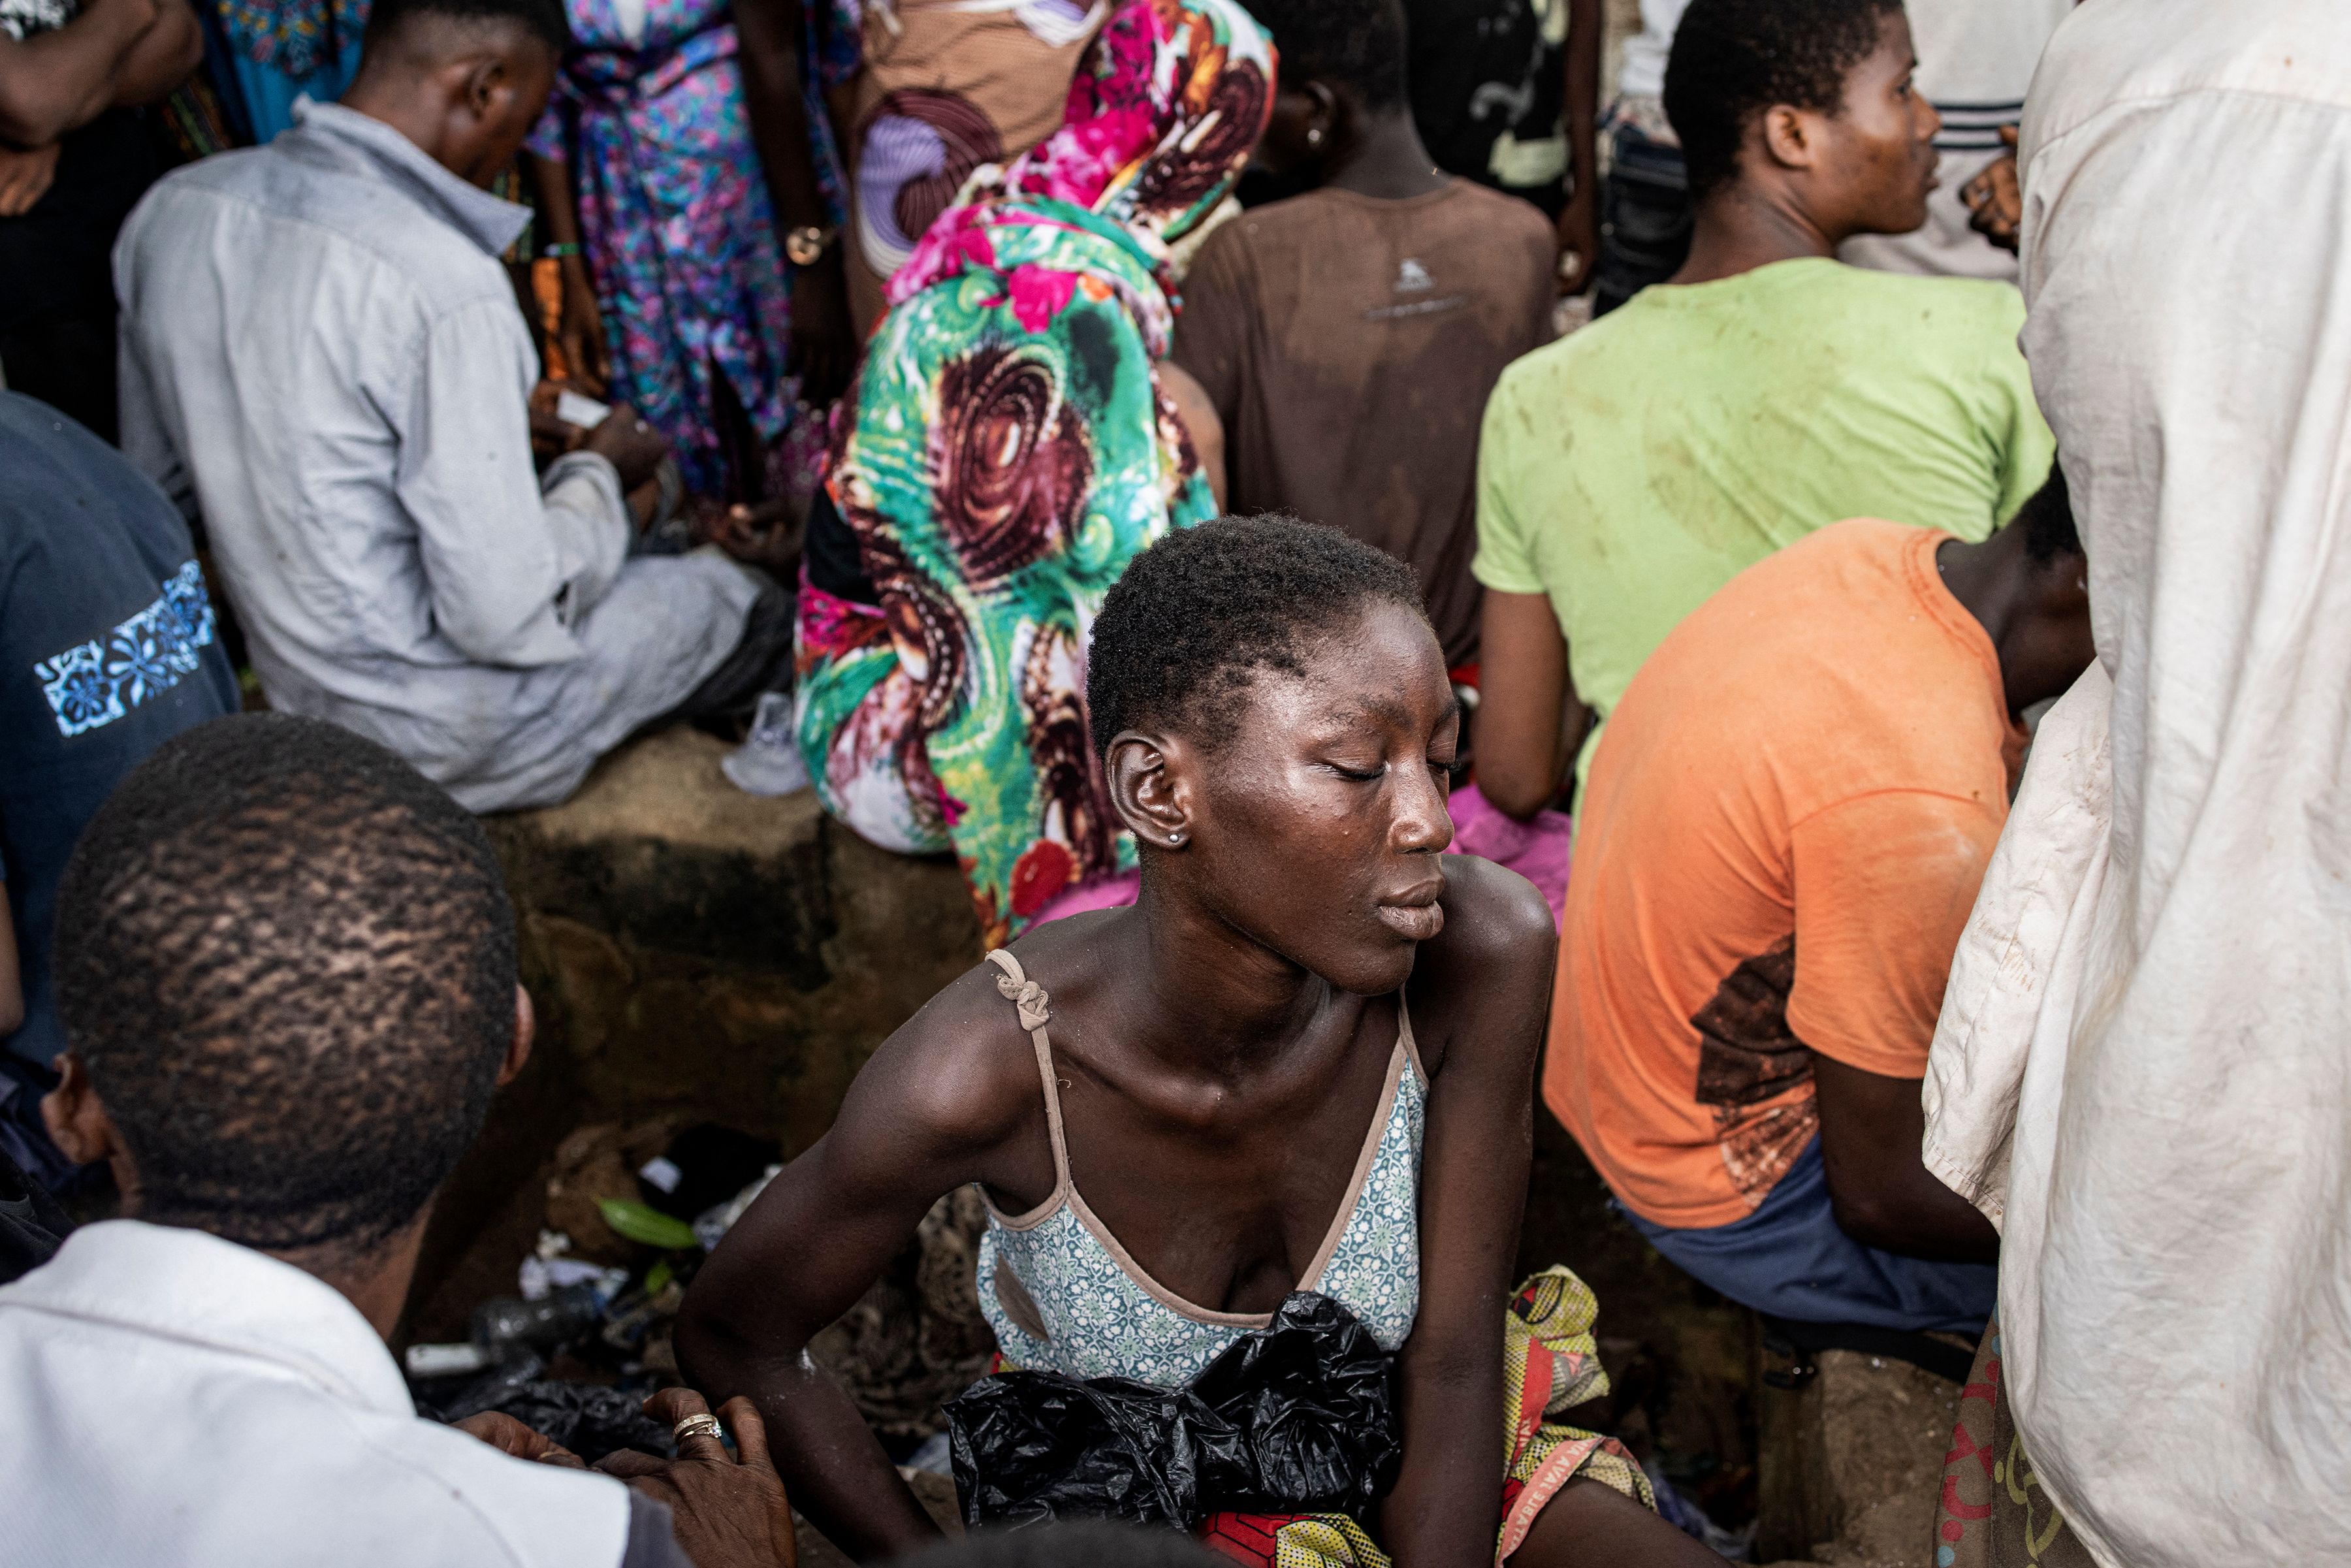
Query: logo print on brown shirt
{"type": "Point", "coordinates": [1755, 1075]}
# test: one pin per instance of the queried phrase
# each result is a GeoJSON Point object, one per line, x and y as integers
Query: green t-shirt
{"type": "Point", "coordinates": [1633, 468]}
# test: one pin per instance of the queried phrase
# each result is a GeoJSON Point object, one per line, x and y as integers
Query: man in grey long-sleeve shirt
{"type": "Point", "coordinates": [322, 354]}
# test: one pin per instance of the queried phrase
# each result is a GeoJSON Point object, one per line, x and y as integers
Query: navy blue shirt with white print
{"type": "Point", "coordinates": [108, 649]}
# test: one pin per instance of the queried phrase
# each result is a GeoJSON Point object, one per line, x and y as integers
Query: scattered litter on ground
{"type": "Point", "coordinates": [935, 1457]}
{"type": "Point", "coordinates": [548, 1270]}
{"type": "Point", "coordinates": [1685, 1515]}
{"type": "Point", "coordinates": [434, 1361]}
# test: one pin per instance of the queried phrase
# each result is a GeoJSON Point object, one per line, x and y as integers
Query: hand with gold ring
{"type": "Point", "coordinates": [704, 1425]}
{"type": "Point", "coordinates": [729, 1511]}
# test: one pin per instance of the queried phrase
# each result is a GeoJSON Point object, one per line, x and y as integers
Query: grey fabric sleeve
{"type": "Point", "coordinates": [652, 1543]}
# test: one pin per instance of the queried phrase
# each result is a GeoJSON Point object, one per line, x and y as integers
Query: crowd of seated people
{"type": "Point", "coordinates": [1146, 444]}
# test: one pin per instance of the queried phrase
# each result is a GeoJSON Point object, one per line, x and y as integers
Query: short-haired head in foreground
{"type": "Point", "coordinates": [1279, 731]}
{"type": "Point", "coordinates": [543, 19]}
{"type": "Point", "coordinates": [1735, 63]}
{"type": "Point", "coordinates": [1354, 44]}
{"type": "Point", "coordinates": [2028, 586]}
{"type": "Point", "coordinates": [285, 960]}
{"type": "Point", "coordinates": [1089, 1543]}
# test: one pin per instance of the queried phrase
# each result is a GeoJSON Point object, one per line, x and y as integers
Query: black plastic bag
{"type": "Point", "coordinates": [589, 1418]}
{"type": "Point", "coordinates": [1296, 1418]}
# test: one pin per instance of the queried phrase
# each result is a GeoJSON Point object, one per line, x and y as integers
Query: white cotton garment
{"type": "Point", "coordinates": [1647, 51]}
{"type": "Point", "coordinates": [173, 1400]}
{"type": "Point", "coordinates": [2143, 1071]}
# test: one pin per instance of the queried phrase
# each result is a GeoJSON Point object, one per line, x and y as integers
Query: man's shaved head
{"type": "Point", "coordinates": [287, 961]}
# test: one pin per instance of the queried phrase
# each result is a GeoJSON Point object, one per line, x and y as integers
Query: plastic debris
{"type": "Point", "coordinates": [444, 1360]}
{"type": "Point", "coordinates": [649, 1226]}
{"type": "Point", "coordinates": [589, 1418]}
{"type": "Point", "coordinates": [936, 1456]}
{"type": "Point", "coordinates": [716, 1221]}
{"type": "Point", "coordinates": [703, 1165]}
{"type": "Point", "coordinates": [539, 1278]}
{"type": "Point", "coordinates": [1296, 1418]}
{"type": "Point", "coordinates": [549, 1324]}
{"type": "Point", "coordinates": [508, 1374]}
{"type": "Point", "coordinates": [633, 1315]}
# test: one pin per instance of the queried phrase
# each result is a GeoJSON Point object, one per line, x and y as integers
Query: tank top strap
{"type": "Point", "coordinates": [1036, 1010]}
{"type": "Point", "coordinates": [1404, 1040]}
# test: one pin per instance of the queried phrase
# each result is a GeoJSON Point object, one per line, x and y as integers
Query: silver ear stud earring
{"type": "Point", "coordinates": [1314, 136]}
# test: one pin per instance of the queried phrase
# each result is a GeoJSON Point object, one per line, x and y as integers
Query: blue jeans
{"type": "Point", "coordinates": [1789, 1260]}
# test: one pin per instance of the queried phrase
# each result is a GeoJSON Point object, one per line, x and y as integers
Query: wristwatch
{"type": "Point", "coordinates": [804, 246]}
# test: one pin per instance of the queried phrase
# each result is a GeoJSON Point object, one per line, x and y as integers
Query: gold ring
{"type": "Point", "coordinates": [705, 1425]}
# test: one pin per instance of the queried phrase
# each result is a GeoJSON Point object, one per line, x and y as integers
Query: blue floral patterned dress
{"type": "Point", "coordinates": [673, 209]}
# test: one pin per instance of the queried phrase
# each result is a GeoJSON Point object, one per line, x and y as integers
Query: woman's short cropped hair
{"type": "Point", "coordinates": [1198, 615]}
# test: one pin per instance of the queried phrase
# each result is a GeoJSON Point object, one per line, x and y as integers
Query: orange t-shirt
{"type": "Point", "coordinates": [1782, 837]}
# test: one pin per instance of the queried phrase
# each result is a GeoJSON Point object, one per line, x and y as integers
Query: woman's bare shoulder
{"type": "Point", "coordinates": [1489, 972]}
{"type": "Point", "coordinates": [1494, 919]}
{"type": "Point", "coordinates": [961, 1074]}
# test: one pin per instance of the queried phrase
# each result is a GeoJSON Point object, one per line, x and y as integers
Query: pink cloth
{"type": "Point", "coordinates": [1536, 850]}
{"type": "Point", "coordinates": [1104, 893]}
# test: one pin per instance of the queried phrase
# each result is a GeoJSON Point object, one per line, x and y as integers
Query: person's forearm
{"type": "Point", "coordinates": [768, 34]}
{"type": "Point", "coordinates": [1873, 1126]}
{"type": "Point", "coordinates": [59, 82]}
{"type": "Point", "coordinates": [551, 181]}
{"type": "Point", "coordinates": [166, 55]}
{"type": "Point", "coordinates": [1524, 760]}
{"type": "Point", "coordinates": [1585, 20]}
{"type": "Point", "coordinates": [1447, 1503]}
{"type": "Point", "coordinates": [1912, 1213]}
{"type": "Point", "coordinates": [836, 1472]}
{"type": "Point", "coordinates": [1529, 720]}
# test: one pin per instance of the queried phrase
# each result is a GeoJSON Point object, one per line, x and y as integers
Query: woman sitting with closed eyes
{"type": "Point", "coordinates": [1292, 1085]}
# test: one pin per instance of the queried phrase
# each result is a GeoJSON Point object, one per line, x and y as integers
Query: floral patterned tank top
{"type": "Point", "coordinates": [1063, 1296]}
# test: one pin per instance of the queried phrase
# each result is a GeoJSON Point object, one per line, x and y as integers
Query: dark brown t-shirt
{"type": "Point", "coordinates": [1349, 344]}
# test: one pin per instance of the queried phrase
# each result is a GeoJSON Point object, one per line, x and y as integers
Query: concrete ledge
{"type": "Point", "coordinates": [1853, 1463]}
{"type": "Point", "coordinates": [690, 949]}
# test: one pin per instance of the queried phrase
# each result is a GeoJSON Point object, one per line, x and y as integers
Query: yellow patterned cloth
{"type": "Point", "coordinates": [1551, 1364]}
